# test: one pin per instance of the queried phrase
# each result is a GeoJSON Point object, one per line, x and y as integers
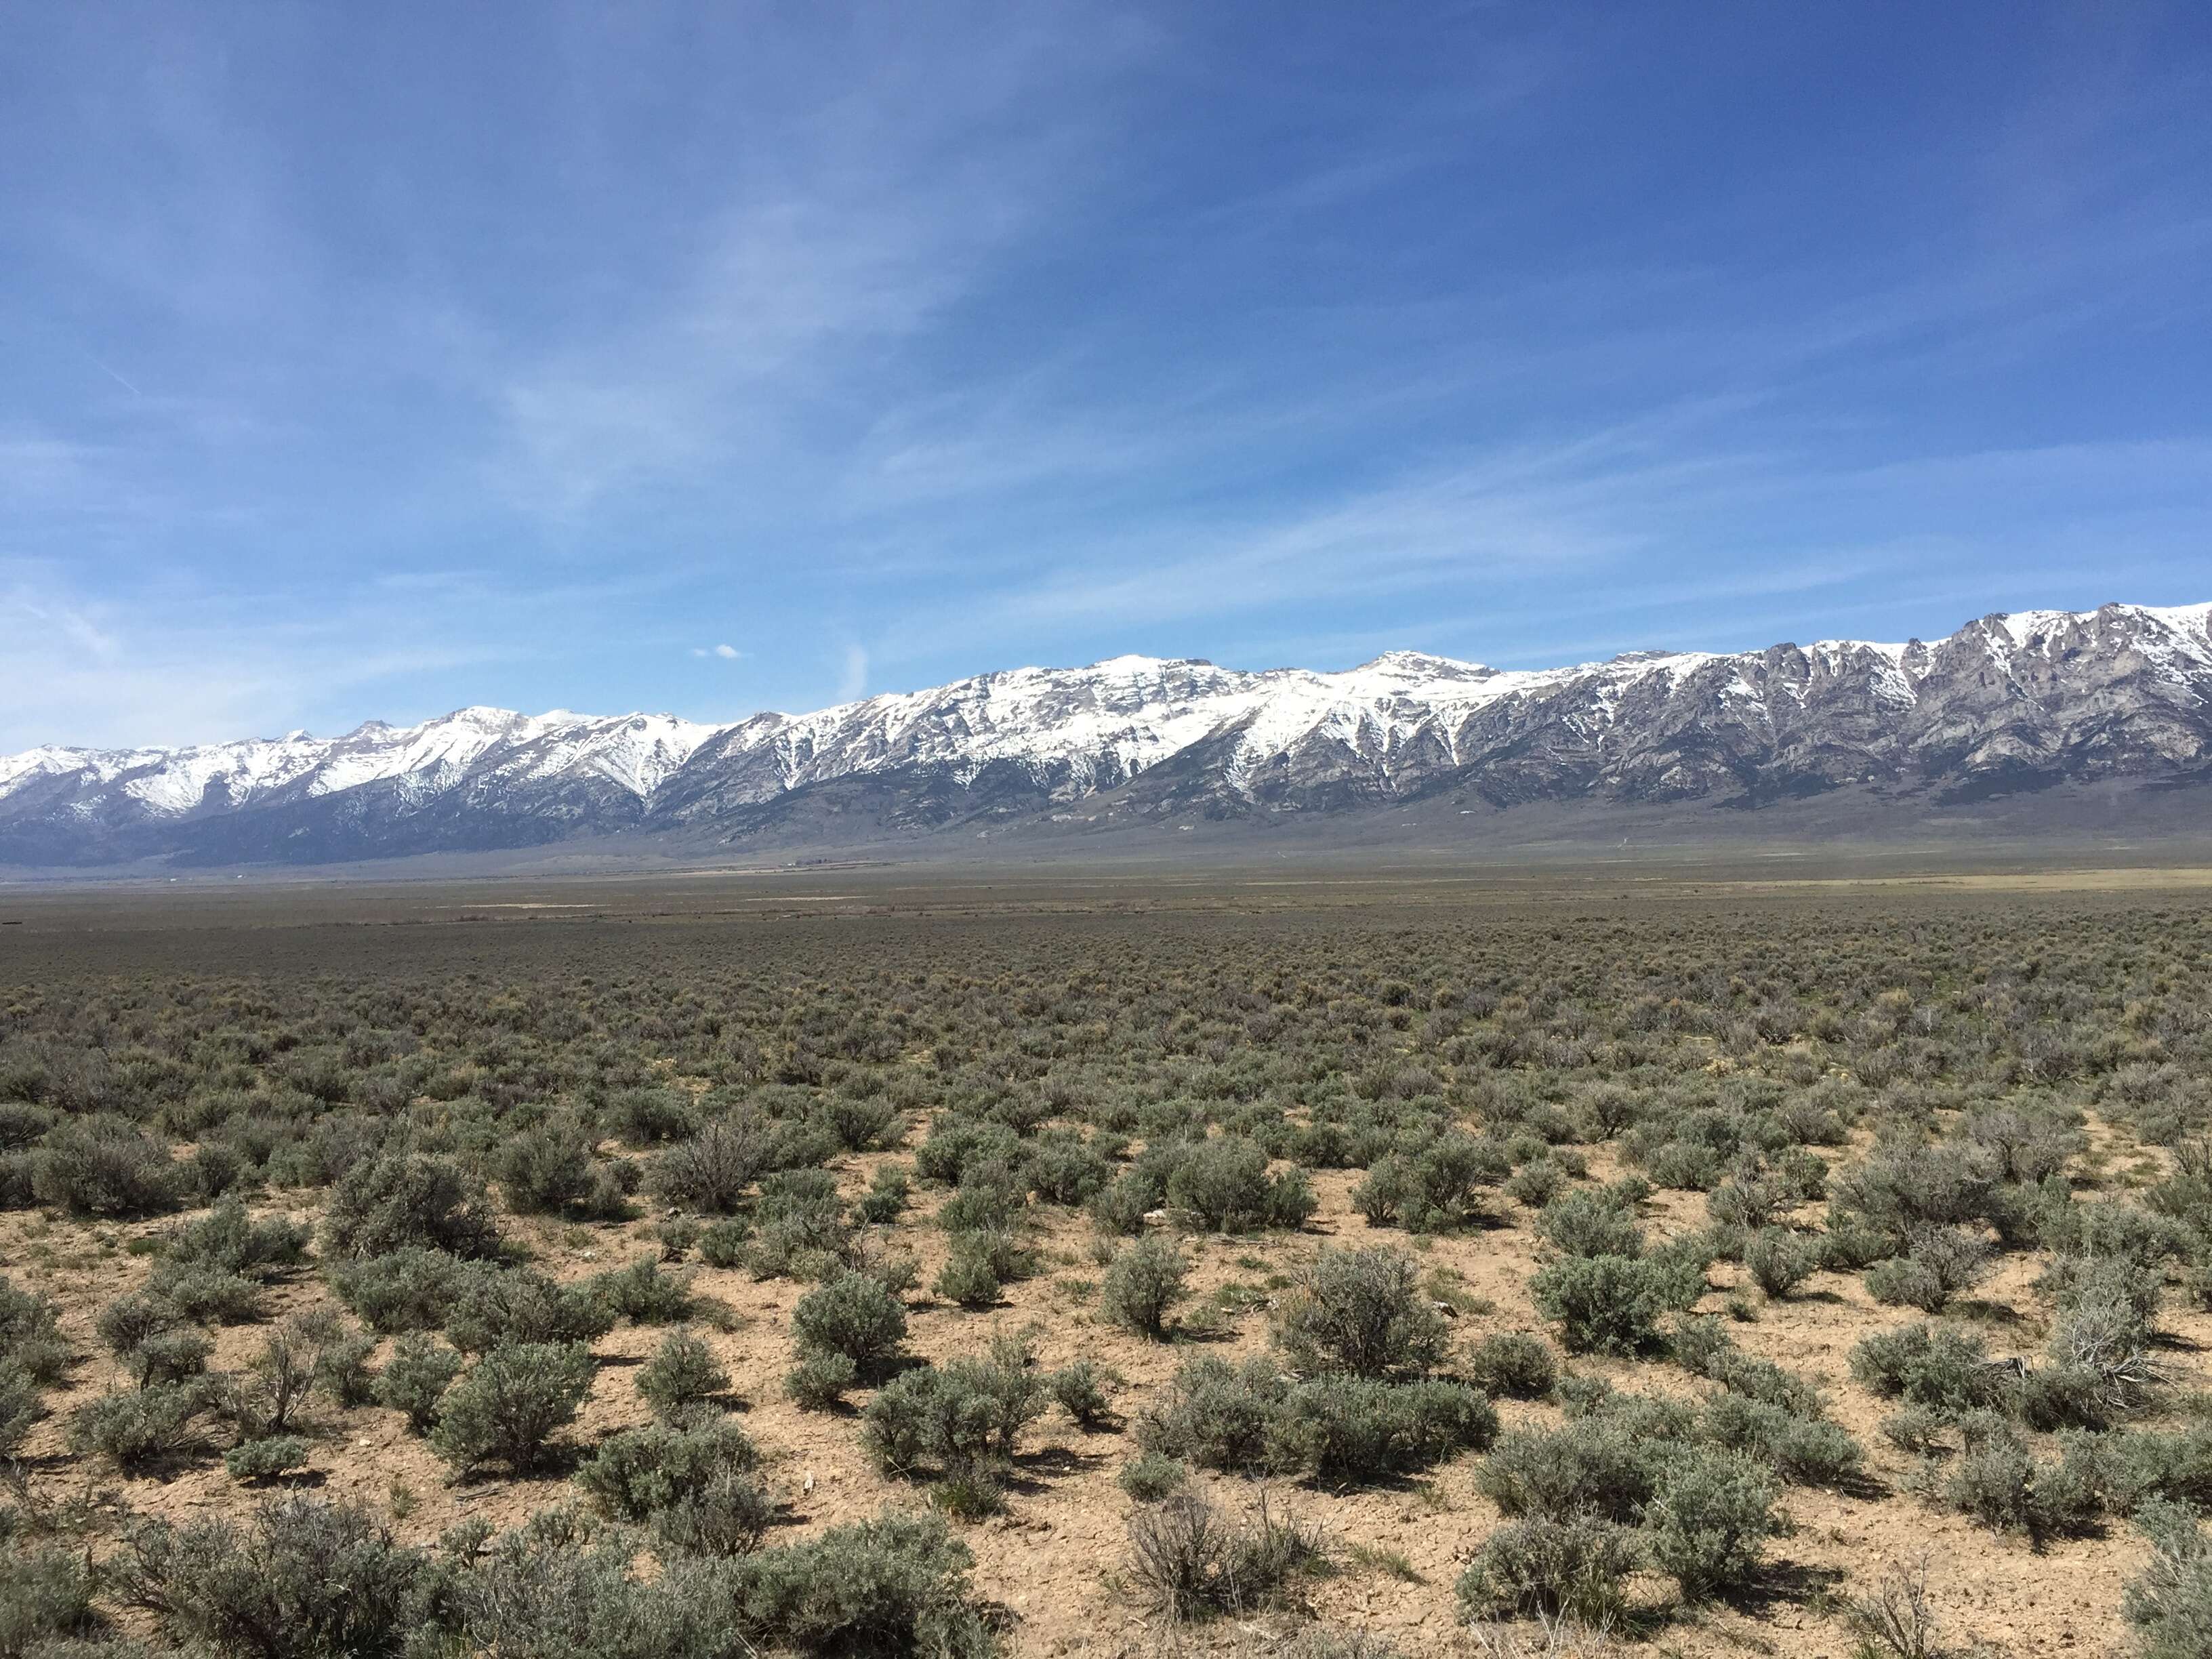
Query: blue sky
{"type": "Point", "coordinates": [369, 361]}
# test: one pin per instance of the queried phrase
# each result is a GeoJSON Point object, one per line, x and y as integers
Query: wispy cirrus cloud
{"type": "Point", "coordinates": [853, 680]}
{"type": "Point", "coordinates": [849, 225]}
{"type": "Point", "coordinates": [1489, 545]}
{"type": "Point", "coordinates": [372, 364]}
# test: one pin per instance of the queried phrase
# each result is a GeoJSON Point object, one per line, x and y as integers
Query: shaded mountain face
{"type": "Point", "coordinates": [2006, 704]}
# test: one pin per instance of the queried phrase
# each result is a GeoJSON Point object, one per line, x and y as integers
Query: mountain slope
{"type": "Point", "coordinates": [2007, 703]}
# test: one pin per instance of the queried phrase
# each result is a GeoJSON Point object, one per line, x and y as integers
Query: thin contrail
{"type": "Point", "coordinates": [117, 379]}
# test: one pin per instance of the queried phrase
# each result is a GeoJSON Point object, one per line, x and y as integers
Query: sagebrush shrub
{"type": "Point", "coordinates": [1993, 1481]}
{"type": "Point", "coordinates": [722, 1243]}
{"type": "Point", "coordinates": [1906, 1189]}
{"type": "Point", "coordinates": [409, 1202]}
{"type": "Point", "coordinates": [494, 1306]}
{"type": "Point", "coordinates": [46, 1601]}
{"type": "Point", "coordinates": [1214, 1414]}
{"type": "Point", "coordinates": [209, 1297]}
{"type": "Point", "coordinates": [896, 1584]}
{"type": "Point", "coordinates": [342, 1359]}
{"type": "Point", "coordinates": [1537, 1183]}
{"type": "Point", "coordinates": [1063, 1169]}
{"type": "Point", "coordinates": [1574, 1568]}
{"type": "Point", "coordinates": [272, 1393]}
{"type": "Point", "coordinates": [714, 1171]}
{"type": "Point", "coordinates": [2170, 1602]}
{"type": "Point", "coordinates": [1611, 1304]}
{"type": "Point", "coordinates": [1804, 1451]}
{"type": "Point", "coordinates": [1084, 1390]}
{"type": "Point", "coordinates": [510, 1405]}
{"type": "Point", "coordinates": [2177, 1466]}
{"type": "Point", "coordinates": [992, 1198]}
{"type": "Point", "coordinates": [154, 1341]}
{"type": "Point", "coordinates": [803, 1231]}
{"type": "Point", "coordinates": [855, 1315]}
{"type": "Point", "coordinates": [2030, 1146]}
{"type": "Point", "coordinates": [682, 1375]}
{"type": "Point", "coordinates": [642, 1293]}
{"type": "Point", "coordinates": [1350, 1428]}
{"type": "Point", "coordinates": [21, 1405]}
{"type": "Point", "coordinates": [1121, 1207]}
{"type": "Point", "coordinates": [1362, 1311]}
{"type": "Point", "coordinates": [862, 1124]}
{"type": "Point", "coordinates": [1779, 1261]}
{"type": "Point", "coordinates": [412, 1289]}
{"type": "Point", "coordinates": [415, 1380]}
{"type": "Point", "coordinates": [549, 1169]}
{"type": "Point", "coordinates": [969, 1280]}
{"type": "Point", "coordinates": [2104, 1344]}
{"type": "Point", "coordinates": [1191, 1561]}
{"type": "Point", "coordinates": [146, 1430]}
{"type": "Point", "coordinates": [105, 1166]}
{"type": "Point", "coordinates": [228, 1240]}
{"type": "Point", "coordinates": [1513, 1366]}
{"type": "Point", "coordinates": [726, 1516]}
{"type": "Point", "coordinates": [1940, 1263]}
{"type": "Point", "coordinates": [1143, 1285]}
{"type": "Point", "coordinates": [1591, 1221]}
{"type": "Point", "coordinates": [1754, 1197]}
{"type": "Point", "coordinates": [818, 1382]}
{"type": "Point", "coordinates": [1589, 1467]}
{"type": "Point", "coordinates": [1224, 1184]}
{"type": "Point", "coordinates": [1148, 1477]}
{"type": "Point", "coordinates": [303, 1580]}
{"type": "Point", "coordinates": [886, 1199]}
{"type": "Point", "coordinates": [954, 1141]}
{"type": "Point", "coordinates": [638, 1473]}
{"type": "Point", "coordinates": [265, 1459]}
{"type": "Point", "coordinates": [1710, 1520]}
{"type": "Point", "coordinates": [1928, 1366]}
{"type": "Point", "coordinates": [2063, 1397]}
{"type": "Point", "coordinates": [30, 1335]}
{"type": "Point", "coordinates": [645, 1116]}
{"type": "Point", "coordinates": [951, 1422]}
{"type": "Point", "coordinates": [1689, 1166]}
{"type": "Point", "coordinates": [1435, 1189]}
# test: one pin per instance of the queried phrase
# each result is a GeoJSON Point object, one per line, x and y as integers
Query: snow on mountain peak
{"type": "Point", "coordinates": [1400, 715]}
{"type": "Point", "coordinates": [1128, 664]}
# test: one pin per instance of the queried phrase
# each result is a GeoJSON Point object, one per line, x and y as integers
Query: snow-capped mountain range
{"type": "Point", "coordinates": [2007, 703]}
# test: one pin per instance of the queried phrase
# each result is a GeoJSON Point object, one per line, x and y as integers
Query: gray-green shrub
{"type": "Point", "coordinates": [1143, 1285]}
{"type": "Point", "coordinates": [409, 1200]}
{"type": "Point", "coordinates": [1574, 1568]}
{"type": "Point", "coordinates": [511, 1404]}
{"type": "Point", "coordinates": [1611, 1304]}
{"type": "Point", "coordinates": [1362, 1312]}
{"type": "Point", "coordinates": [1348, 1428]}
{"type": "Point", "coordinates": [1513, 1366]}
{"type": "Point", "coordinates": [266, 1458]}
{"type": "Point", "coordinates": [415, 1380]}
{"type": "Point", "coordinates": [682, 1375]}
{"type": "Point", "coordinates": [855, 1315]}
{"type": "Point", "coordinates": [2170, 1601]}
{"type": "Point", "coordinates": [1779, 1261]}
{"type": "Point", "coordinates": [494, 1306]}
{"type": "Point", "coordinates": [1710, 1520]}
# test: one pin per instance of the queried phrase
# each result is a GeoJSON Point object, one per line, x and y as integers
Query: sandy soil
{"type": "Point", "coordinates": [1052, 1559]}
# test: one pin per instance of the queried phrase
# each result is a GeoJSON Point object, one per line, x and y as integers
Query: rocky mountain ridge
{"type": "Point", "coordinates": [2007, 703]}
